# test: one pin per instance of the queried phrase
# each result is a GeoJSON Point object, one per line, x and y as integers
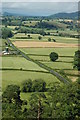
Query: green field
{"type": "Point", "coordinates": [46, 51]}
{"type": "Point", "coordinates": [18, 63]}
{"type": "Point", "coordinates": [64, 62]}
{"type": "Point", "coordinates": [17, 77]}
{"type": "Point", "coordinates": [17, 69]}
{"type": "Point", "coordinates": [45, 38]}
{"type": "Point", "coordinates": [30, 23]}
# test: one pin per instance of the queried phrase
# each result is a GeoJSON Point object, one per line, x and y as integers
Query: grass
{"type": "Point", "coordinates": [25, 96]}
{"type": "Point", "coordinates": [47, 51]}
{"type": "Point", "coordinates": [45, 38]}
{"type": "Point", "coordinates": [19, 62]}
{"type": "Point", "coordinates": [58, 65]}
{"type": "Point", "coordinates": [17, 77]}
{"type": "Point", "coordinates": [65, 60]}
{"type": "Point", "coordinates": [12, 27]}
{"type": "Point", "coordinates": [30, 23]}
{"type": "Point", "coordinates": [47, 58]}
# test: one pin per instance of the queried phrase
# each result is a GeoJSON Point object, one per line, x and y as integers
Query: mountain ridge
{"type": "Point", "coordinates": [73, 15]}
{"type": "Point", "coordinates": [66, 15]}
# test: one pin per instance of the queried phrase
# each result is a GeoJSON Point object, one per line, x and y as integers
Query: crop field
{"type": "Point", "coordinates": [47, 51]}
{"type": "Point", "coordinates": [18, 77]}
{"type": "Point", "coordinates": [45, 38]}
{"type": "Point", "coordinates": [30, 23]}
{"type": "Point", "coordinates": [64, 62]}
{"type": "Point", "coordinates": [17, 69]}
{"type": "Point", "coordinates": [18, 63]}
{"type": "Point", "coordinates": [42, 44]}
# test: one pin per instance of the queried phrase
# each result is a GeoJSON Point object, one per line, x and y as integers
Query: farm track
{"type": "Point", "coordinates": [51, 71]}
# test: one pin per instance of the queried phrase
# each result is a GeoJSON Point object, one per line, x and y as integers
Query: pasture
{"type": "Point", "coordinates": [30, 23]}
{"type": "Point", "coordinates": [47, 51]}
{"type": "Point", "coordinates": [45, 38]}
{"type": "Point", "coordinates": [64, 62]}
{"type": "Point", "coordinates": [19, 63]}
{"type": "Point", "coordinates": [18, 77]}
{"type": "Point", "coordinates": [17, 69]}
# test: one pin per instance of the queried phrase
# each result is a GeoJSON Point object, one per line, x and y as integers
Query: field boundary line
{"type": "Point", "coordinates": [51, 71]}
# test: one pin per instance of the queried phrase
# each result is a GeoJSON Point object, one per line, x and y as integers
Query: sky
{"type": "Point", "coordinates": [34, 8]}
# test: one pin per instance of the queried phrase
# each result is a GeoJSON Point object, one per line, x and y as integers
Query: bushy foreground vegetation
{"type": "Point", "coordinates": [59, 102]}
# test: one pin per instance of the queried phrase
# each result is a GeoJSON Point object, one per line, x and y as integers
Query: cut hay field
{"type": "Point", "coordinates": [26, 44]}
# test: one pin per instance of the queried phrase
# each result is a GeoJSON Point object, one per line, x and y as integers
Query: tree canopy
{"type": "Point", "coordinates": [6, 32]}
{"type": "Point", "coordinates": [77, 60]}
{"type": "Point", "coordinates": [53, 56]}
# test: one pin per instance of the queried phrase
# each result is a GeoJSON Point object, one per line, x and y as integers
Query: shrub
{"type": "Point", "coordinates": [53, 56]}
{"type": "Point", "coordinates": [54, 40]}
{"type": "Point", "coordinates": [39, 37]}
{"type": "Point", "coordinates": [49, 39]}
{"type": "Point", "coordinates": [27, 86]}
{"type": "Point", "coordinates": [34, 86]}
{"type": "Point", "coordinates": [77, 60]}
{"type": "Point", "coordinates": [39, 86]}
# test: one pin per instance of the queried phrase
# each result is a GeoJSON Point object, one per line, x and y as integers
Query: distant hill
{"type": "Point", "coordinates": [10, 14]}
{"type": "Point", "coordinates": [73, 15]}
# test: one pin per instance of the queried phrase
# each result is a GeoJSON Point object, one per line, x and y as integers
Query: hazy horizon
{"type": "Point", "coordinates": [39, 8]}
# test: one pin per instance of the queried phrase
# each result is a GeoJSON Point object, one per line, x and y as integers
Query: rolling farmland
{"type": "Point", "coordinates": [26, 65]}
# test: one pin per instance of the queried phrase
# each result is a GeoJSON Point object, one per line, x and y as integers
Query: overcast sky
{"type": "Point", "coordinates": [38, 8]}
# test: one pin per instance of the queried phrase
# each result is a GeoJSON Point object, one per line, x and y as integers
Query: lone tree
{"type": "Point", "coordinates": [39, 37]}
{"type": "Point", "coordinates": [53, 56]}
{"type": "Point", "coordinates": [29, 36]}
{"type": "Point", "coordinates": [49, 39]}
{"type": "Point", "coordinates": [77, 60]}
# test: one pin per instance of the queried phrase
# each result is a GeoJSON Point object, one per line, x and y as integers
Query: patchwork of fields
{"type": "Point", "coordinates": [16, 69]}
{"type": "Point", "coordinates": [65, 61]}
{"type": "Point", "coordinates": [34, 37]}
{"type": "Point", "coordinates": [40, 70]}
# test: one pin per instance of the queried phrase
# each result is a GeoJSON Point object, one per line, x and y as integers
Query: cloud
{"type": "Point", "coordinates": [40, 8]}
{"type": "Point", "coordinates": [40, 0]}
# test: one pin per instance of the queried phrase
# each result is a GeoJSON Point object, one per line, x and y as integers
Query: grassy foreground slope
{"type": "Point", "coordinates": [18, 77]}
